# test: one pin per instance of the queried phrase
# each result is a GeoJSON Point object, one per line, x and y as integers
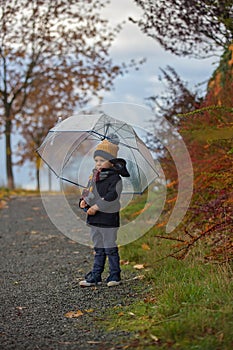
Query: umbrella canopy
{"type": "Point", "coordinates": [69, 147]}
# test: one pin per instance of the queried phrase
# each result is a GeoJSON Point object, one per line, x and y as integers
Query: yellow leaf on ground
{"type": "Point", "coordinates": [145, 246]}
{"type": "Point", "coordinates": [89, 310]}
{"type": "Point", "coordinates": [74, 314]}
{"type": "Point", "coordinates": [33, 232]}
{"type": "Point", "coordinates": [139, 266]}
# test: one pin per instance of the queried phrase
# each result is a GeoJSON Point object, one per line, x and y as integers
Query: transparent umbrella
{"type": "Point", "coordinates": [69, 147]}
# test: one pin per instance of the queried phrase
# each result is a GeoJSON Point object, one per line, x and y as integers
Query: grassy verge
{"type": "Point", "coordinates": [189, 305]}
{"type": "Point", "coordinates": [5, 194]}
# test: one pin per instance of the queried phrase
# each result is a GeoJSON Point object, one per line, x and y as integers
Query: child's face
{"type": "Point", "coordinates": [101, 163]}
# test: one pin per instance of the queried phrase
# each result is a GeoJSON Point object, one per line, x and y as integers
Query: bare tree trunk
{"type": "Point", "coordinates": [38, 179]}
{"type": "Point", "coordinates": [9, 165]}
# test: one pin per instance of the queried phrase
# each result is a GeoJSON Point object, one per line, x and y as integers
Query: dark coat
{"type": "Point", "coordinates": [106, 194]}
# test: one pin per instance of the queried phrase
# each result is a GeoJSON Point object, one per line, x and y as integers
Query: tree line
{"type": "Point", "coordinates": [54, 57]}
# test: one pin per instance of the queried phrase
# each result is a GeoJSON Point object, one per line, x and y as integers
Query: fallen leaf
{"type": "Point", "coordinates": [154, 337]}
{"type": "Point", "coordinates": [34, 232]}
{"type": "Point", "coordinates": [74, 314]}
{"type": "Point", "coordinates": [150, 299]}
{"type": "Point", "coordinates": [124, 262]}
{"type": "Point", "coordinates": [220, 337]}
{"type": "Point", "coordinates": [89, 310]}
{"type": "Point", "coordinates": [20, 307]}
{"type": "Point", "coordinates": [3, 204]}
{"type": "Point", "coordinates": [139, 266]}
{"type": "Point", "coordinates": [131, 314]}
{"type": "Point", "coordinates": [145, 246]}
{"type": "Point", "coordinates": [140, 277]}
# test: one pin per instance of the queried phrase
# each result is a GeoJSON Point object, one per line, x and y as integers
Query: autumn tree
{"type": "Point", "coordinates": [206, 127]}
{"type": "Point", "coordinates": [54, 55]}
{"type": "Point", "coordinates": [38, 117]}
{"type": "Point", "coordinates": [188, 27]}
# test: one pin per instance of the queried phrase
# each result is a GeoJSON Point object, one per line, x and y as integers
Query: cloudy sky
{"type": "Point", "coordinates": [135, 86]}
{"type": "Point", "coordinates": [131, 43]}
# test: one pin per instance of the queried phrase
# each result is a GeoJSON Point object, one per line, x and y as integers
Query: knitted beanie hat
{"type": "Point", "coordinates": [107, 149]}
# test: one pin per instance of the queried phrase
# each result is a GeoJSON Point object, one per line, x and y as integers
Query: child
{"type": "Point", "coordinates": [101, 201]}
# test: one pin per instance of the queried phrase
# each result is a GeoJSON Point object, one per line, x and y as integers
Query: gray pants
{"type": "Point", "coordinates": [104, 237]}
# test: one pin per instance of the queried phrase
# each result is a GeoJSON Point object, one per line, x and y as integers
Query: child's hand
{"type": "Point", "coordinates": [82, 204]}
{"type": "Point", "coordinates": [92, 210]}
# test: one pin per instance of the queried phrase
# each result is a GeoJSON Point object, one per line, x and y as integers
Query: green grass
{"type": "Point", "coordinates": [189, 305]}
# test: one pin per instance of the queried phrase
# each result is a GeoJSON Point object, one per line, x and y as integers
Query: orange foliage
{"type": "Point", "coordinates": [210, 216]}
{"type": "Point", "coordinates": [171, 184]}
{"type": "Point", "coordinates": [172, 200]}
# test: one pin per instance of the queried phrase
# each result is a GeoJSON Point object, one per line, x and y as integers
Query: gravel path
{"type": "Point", "coordinates": [40, 270]}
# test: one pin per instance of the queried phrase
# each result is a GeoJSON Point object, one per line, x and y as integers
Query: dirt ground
{"type": "Point", "coordinates": [40, 271]}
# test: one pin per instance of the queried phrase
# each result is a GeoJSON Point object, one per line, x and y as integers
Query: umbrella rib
{"type": "Point", "coordinates": [89, 132]}
{"type": "Point", "coordinates": [132, 137]}
{"type": "Point", "coordinates": [120, 128]}
{"type": "Point", "coordinates": [72, 182]}
{"type": "Point", "coordinates": [114, 126]}
{"type": "Point", "coordinates": [150, 165]}
{"type": "Point", "coordinates": [137, 167]}
{"type": "Point", "coordinates": [70, 155]}
{"type": "Point", "coordinates": [96, 133]}
{"type": "Point", "coordinates": [47, 164]}
{"type": "Point", "coordinates": [143, 157]}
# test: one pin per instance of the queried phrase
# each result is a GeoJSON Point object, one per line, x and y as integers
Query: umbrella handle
{"type": "Point", "coordinates": [106, 131]}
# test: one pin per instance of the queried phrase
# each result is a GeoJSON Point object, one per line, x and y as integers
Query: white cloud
{"type": "Point", "coordinates": [132, 44]}
{"type": "Point", "coordinates": [119, 10]}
